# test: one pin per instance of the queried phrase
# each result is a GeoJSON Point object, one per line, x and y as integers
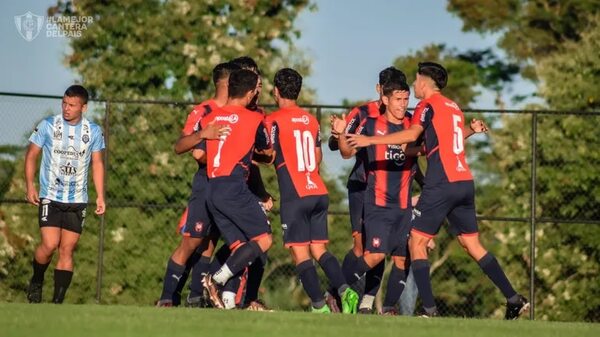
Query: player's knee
{"type": "Point", "coordinates": [317, 250]}
{"type": "Point", "coordinates": [265, 242]}
{"type": "Point", "coordinates": [373, 259]}
{"type": "Point", "coordinates": [400, 262]}
{"type": "Point", "coordinates": [66, 251]}
{"type": "Point", "coordinates": [49, 247]}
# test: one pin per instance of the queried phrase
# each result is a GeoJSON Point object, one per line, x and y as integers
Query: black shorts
{"type": "Point", "coordinates": [387, 230]}
{"type": "Point", "coordinates": [304, 220]}
{"type": "Point", "coordinates": [356, 201]}
{"type": "Point", "coordinates": [236, 211]}
{"type": "Point", "coordinates": [198, 223]}
{"type": "Point", "coordinates": [66, 216]}
{"type": "Point", "coordinates": [455, 201]}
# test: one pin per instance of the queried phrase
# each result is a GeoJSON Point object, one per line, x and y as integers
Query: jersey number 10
{"type": "Point", "coordinates": [305, 151]}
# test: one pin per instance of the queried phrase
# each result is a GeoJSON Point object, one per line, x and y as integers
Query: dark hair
{"type": "Point", "coordinates": [78, 91]}
{"type": "Point", "coordinates": [288, 82]}
{"type": "Point", "coordinates": [246, 62]}
{"type": "Point", "coordinates": [389, 88]}
{"type": "Point", "coordinates": [241, 82]}
{"type": "Point", "coordinates": [435, 71]}
{"type": "Point", "coordinates": [391, 74]}
{"type": "Point", "coordinates": [222, 71]}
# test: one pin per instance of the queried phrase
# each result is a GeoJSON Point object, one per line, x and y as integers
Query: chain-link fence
{"type": "Point", "coordinates": [545, 159]}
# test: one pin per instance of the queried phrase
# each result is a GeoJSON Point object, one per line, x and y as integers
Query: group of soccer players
{"type": "Point", "coordinates": [229, 134]}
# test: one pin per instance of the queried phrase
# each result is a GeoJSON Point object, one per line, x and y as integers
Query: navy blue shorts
{"type": "Point", "coordinates": [236, 211]}
{"type": "Point", "coordinates": [387, 230]}
{"type": "Point", "coordinates": [356, 202]}
{"type": "Point", "coordinates": [199, 221]}
{"type": "Point", "coordinates": [304, 220]}
{"type": "Point", "coordinates": [455, 201]}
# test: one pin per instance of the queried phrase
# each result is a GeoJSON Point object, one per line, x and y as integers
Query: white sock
{"type": "Point", "coordinates": [367, 302]}
{"type": "Point", "coordinates": [228, 298]}
{"type": "Point", "coordinates": [222, 275]}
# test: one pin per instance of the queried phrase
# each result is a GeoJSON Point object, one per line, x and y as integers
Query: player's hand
{"type": "Point", "coordinates": [478, 126]}
{"type": "Point", "coordinates": [414, 200]}
{"type": "Point", "coordinates": [338, 125]}
{"type": "Point", "coordinates": [215, 131]}
{"type": "Point", "coordinates": [267, 204]}
{"type": "Point", "coordinates": [431, 245]}
{"type": "Point", "coordinates": [32, 196]}
{"type": "Point", "coordinates": [358, 140]}
{"type": "Point", "coordinates": [100, 206]}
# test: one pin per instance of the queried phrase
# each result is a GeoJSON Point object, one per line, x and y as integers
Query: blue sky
{"type": "Point", "coordinates": [349, 41]}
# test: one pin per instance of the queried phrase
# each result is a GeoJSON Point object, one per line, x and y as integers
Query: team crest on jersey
{"type": "Point", "coordinates": [304, 120]}
{"type": "Point", "coordinates": [233, 118]}
{"type": "Point", "coordinates": [57, 135]}
{"type": "Point", "coordinates": [198, 226]}
{"type": "Point", "coordinates": [85, 139]}
{"type": "Point", "coordinates": [376, 242]}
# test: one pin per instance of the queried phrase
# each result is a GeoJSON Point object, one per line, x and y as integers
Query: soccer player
{"type": "Point", "coordinates": [357, 184]}
{"type": "Point", "coordinates": [236, 211]}
{"type": "Point", "coordinates": [304, 200]}
{"type": "Point", "coordinates": [68, 143]}
{"type": "Point", "coordinates": [387, 199]}
{"type": "Point", "coordinates": [197, 224]}
{"type": "Point", "coordinates": [448, 190]}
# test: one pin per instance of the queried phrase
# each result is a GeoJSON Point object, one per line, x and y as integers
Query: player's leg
{"type": "Point", "coordinates": [64, 266]}
{"type": "Point", "coordinates": [201, 268]}
{"type": "Point", "coordinates": [397, 278]}
{"type": "Point", "coordinates": [307, 273]}
{"type": "Point", "coordinates": [50, 236]}
{"type": "Point", "coordinates": [408, 299]}
{"type": "Point", "coordinates": [188, 265]}
{"type": "Point", "coordinates": [355, 206]}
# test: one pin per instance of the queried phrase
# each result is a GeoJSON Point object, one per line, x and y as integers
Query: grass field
{"type": "Point", "coordinates": [47, 320]}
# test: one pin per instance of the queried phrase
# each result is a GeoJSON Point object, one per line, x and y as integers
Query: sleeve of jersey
{"type": "Point", "coordinates": [39, 133]}
{"type": "Point", "coordinates": [422, 115]}
{"type": "Point", "coordinates": [190, 123]}
{"type": "Point", "coordinates": [98, 142]}
{"type": "Point", "coordinates": [262, 139]}
{"type": "Point", "coordinates": [353, 120]}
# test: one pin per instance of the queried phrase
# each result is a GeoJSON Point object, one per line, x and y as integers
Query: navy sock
{"type": "Point", "coordinates": [38, 271]}
{"type": "Point", "coordinates": [255, 275]}
{"type": "Point", "coordinates": [171, 279]}
{"type": "Point", "coordinates": [348, 265]}
{"type": "Point", "coordinates": [310, 281]}
{"type": "Point", "coordinates": [358, 270]}
{"type": "Point", "coordinates": [420, 270]}
{"type": "Point", "coordinates": [333, 271]}
{"type": "Point", "coordinates": [62, 280]}
{"type": "Point", "coordinates": [373, 279]}
{"type": "Point", "coordinates": [184, 277]}
{"type": "Point", "coordinates": [243, 257]}
{"type": "Point", "coordinates": [221, 257]}
{"type": "Point", "coordinates": [395, 286]}
{"type": "Point", "coordinates": [492, 269]}
{"type": "Point", "coordinates": [199, 270]}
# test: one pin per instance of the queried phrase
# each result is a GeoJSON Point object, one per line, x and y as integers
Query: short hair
{"type": "Point", "coordinates": [289, 83]}
{"type": "Point", "coordinates": [241, 82]}
{"type": "Point", "coordinates": [391, 74]}
{"type": "Point", "coordinates": [246, 62]}
{"type": "Point", "coordinates": [435, 71]}
{"type": "Point", "coordinates": [222, 71]}
{"type": "Point", "coordinates": [78, 91]}
{"type": "Point", "coordinates": [391, 86]}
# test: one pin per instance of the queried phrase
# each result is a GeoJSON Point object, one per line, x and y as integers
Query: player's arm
{"type": "Point", "coordinates": [415, 150]}
{"type": "Point", "coordinates": [98, 177]}
{"type": "Point", "coordinates": [186, 143]}
{"type": "Point", "coordinates": [401, 137]}
{"type": "Point", "coordinates": [263, 149]}
{"type": "Point", "coordinates": [33, 152]}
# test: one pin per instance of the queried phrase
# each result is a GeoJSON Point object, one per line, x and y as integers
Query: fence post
{"type": "Point", "coordinates": [532, 216]}
{"type": "Point", "coordinates": [100, 262]}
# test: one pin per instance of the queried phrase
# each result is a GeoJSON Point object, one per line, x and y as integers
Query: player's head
{"type": "Point", "coordinates": [395, 97]}
{"type": "Point", "coordinates": [389, 74]}
{"type": "Point", "coordinates": [288, 84]}
{"type": "Point", "coordinates": [221, 72]}
{"type": "Point", "coordinates": [430, 76]}
{"type": "Point", "coordinates": [246, 62]}
{"type": "Point", "coordinates": [74, 102]}
{"type": "Point", "coordinates": [242, 85]}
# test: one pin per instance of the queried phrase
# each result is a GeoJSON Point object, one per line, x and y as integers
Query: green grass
{"type": "Point", "coordinates": [18, 319]}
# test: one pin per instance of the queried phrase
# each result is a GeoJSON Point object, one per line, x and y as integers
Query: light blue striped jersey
{"type": "Point", "coordinates": [66, 153]}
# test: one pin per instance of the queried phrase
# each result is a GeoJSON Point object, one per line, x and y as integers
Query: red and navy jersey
{"type": "Point", "coordinates": [232, 155]}
{"type": "Point", "coordinates": [442, 122]}
{"type": "Point", "coordinates": [192, 122]}
{"type": "Point", "coordinates": [389, 170]}
{"type": "Point", "coordinates": [295, 138]}
{"type": "Point", "coordinates": [355, 119]}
